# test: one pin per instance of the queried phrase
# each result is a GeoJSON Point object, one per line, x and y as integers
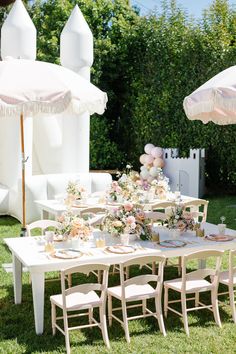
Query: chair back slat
{"type": "Point", "coordinates": [85, 268]}
{"type": "Point", "coordinates": [142, 279]}
{"type": "Point", "coordinates": [93, 210]}
{"type": "Point", "coordinates": [162, 205]}
{"type": "Point", "coordinates": [155, 215]}
{"type": "Point", "coordinates": [143, 260]}
{"type": "Point", "coordinates": [84, 288]}
{"type": "Point", "coordinates": [200, 273]}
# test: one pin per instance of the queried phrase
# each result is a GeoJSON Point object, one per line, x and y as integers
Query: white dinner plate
{"type": "Point", "coordinates": [120, 249]}
{"type": "Point", "coordinates": [67, 254]}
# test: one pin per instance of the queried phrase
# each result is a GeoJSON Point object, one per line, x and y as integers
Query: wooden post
{"type": "Point", "coordinates": [23, 169]}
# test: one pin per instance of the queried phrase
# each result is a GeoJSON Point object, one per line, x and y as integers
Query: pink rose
{"type": "Point", "coordinates": [114, 184]}
{"type": "Point", "coordinates": [118, 190]}
{"type": "Point", "coordinates": [130, 220]}
{"type": "Point", "coordinates": [128, 206]}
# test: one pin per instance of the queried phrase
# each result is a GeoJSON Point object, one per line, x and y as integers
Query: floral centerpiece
{"type": "Point", "coordinates": [179, 219]}
{"type": "Point", "coordinates": [125, 187]}
{"type": "Point", "coordinates": [127, 219]}
{"type": "Point", "coordinates": [160, 186]}
{"type": "Point", "coordinates": [130, 186]}
{"type": "Point", "coordinates": [74, 192]}
{"type": "Point", "coordinates": [72, 226]}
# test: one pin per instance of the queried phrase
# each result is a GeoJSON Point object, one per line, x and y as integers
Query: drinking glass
{"type": "Point", "coordinates": [100, 241]}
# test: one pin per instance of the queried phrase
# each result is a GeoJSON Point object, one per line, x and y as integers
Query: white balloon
{"type": "Point", "coordinates": [153, 171]}
{"type": "Point", "coordinates": [148, 148]}
{"type": "Point", "coordinates": [144, 174]}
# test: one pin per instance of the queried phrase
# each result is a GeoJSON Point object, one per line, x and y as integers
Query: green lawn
{"type": "Point", "coordinates": [17, 333]}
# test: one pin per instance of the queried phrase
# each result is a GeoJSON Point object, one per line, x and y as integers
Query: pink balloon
{"type": "Point", "coordinates": [158, 162]}
{"type": "Point", "coordinates": [148, 148]}
{"type": "Point", "coordinates": [156, 152]}
{"type": "Point", "coordinates": [142, 159]}
{"type": "Point", "coordinates": [149, 159]}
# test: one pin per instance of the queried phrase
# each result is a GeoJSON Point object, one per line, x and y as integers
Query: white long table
{"type": "Point", "coordinates": [53, 207]}
{"type": "Point", "coordinates": [27, 252]}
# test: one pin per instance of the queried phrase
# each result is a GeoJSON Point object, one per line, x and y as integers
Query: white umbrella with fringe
{"type": "Point", "coordinates": [31, 87]}
{"type": "Point", "coordinates": [215, 100]}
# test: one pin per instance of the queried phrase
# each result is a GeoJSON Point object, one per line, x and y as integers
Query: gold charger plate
{"type": "Point", "coordinates": [219, 238]}
{"type": "Point", "coordinates": [172, 243]}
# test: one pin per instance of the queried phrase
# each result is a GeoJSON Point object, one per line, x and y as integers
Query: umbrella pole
{"type": "Point", "coordinates": [23, 228]}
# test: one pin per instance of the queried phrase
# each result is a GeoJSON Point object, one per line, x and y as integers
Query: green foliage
{"type": "Point", "coordinates": [147, 65]}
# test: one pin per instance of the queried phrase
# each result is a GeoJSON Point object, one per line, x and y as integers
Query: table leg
{"type": "Point", "coordinates": [201, 263]}
{"type": "Point", "coordinates": [38, 300]}
{"type": "Point", "coordinates": [44, 214]}
{"type": "Point", "coordinates": [17, 277]}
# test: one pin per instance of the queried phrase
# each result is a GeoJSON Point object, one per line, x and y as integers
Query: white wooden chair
{"type": "Point", "coordinates": [137, 289]}
{"type": "Point", "coordinates": [195, 282]}
{"type": "Point", "coordinates": [228, 278]}
{"type": "Point", "coordinates": [95, 215]}
{"type": "Point", "coordinates": [162, 206]}
{"type": "Point", "coordinates": [195, 207]}
{"type": "Point", "coordinates": [83, 297]}
{"type": "Point", "coordinates": [43, 225]}
{"type": "Point", "coordinates": [155, 216]}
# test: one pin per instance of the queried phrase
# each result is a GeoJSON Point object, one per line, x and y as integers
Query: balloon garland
{"type": "Point", "coordinates": [152, 162]}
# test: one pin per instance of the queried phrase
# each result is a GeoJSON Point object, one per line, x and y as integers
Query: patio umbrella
{"type": "Point", "coordinates": [215, 100]}
{"type": "Point", "coordinates": [31, 87]}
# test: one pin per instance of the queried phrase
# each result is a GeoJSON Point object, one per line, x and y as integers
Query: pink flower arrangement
{"type": "Point", "coordinates": [72, 226]}
{"type": "Point", "coordinates": [180, 219]}
{"type": "Point", "coordinates": [127, 219]}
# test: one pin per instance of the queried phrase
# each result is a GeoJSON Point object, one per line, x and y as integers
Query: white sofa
{"type": "Point", "coordinates": [41, 187]}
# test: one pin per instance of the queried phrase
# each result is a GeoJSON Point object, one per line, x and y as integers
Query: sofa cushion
{"type": "Point", "coordinates": [35, 189]}
{"type": "Point", "coordinates": [100, 181]}
{"type": "Point", "coordinates": [4, 199]}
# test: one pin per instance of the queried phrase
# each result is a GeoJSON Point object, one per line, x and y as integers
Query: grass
{"type": "Point", "coordinates": [17, 334]}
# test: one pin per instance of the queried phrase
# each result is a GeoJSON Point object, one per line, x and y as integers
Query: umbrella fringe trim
{"type": "Point", "coordinates": [65, 105]}
{"type": "Point", "coordinates": [205, 107]}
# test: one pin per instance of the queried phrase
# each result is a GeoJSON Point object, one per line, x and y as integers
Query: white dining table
{"type": "Point", "coordinates": [55, 207]}
{"type": "Point", "coordinates": [29, 252]}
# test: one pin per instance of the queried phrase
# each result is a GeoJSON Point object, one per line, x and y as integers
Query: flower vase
{"type": "Point", "coordinates": [75, 242]}
{"type": "Point", "coordinates": [124, 239]}
{"type": "Point", "coordinates": [132, 237]}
